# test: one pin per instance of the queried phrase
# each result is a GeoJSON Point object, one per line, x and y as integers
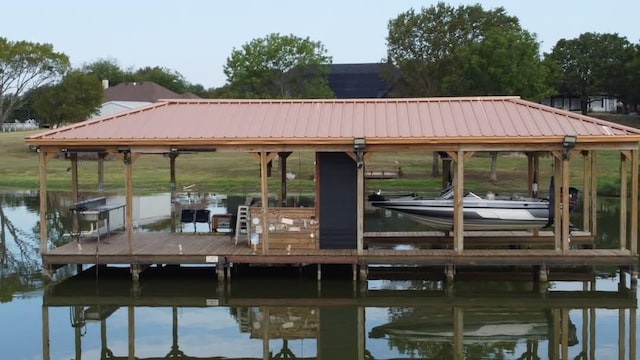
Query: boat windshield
{"type": "Point", "coordinates": [447, 194]}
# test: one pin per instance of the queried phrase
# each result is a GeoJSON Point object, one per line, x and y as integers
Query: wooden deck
{"type": "Point", "coordinates": [475, 238]}
{"type": "Point", "coordinates": [188, 248]}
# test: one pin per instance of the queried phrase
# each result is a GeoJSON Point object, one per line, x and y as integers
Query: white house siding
{"type": "Point", "coordinates": [115, 107]}
{"type": "Point", "coordinates": [597, 104]}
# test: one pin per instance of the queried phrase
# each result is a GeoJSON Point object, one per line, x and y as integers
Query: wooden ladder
{"type": "Point", "coordinates": [242, 223]}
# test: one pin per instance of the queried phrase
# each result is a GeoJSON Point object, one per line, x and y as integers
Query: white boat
{"type": "Point", "coordinates": [488, 213]}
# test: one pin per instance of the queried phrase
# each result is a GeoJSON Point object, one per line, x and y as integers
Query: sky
{"type": "Point", "coordinates": [195, 37]}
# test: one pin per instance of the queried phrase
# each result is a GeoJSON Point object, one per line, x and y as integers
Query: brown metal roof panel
{"type": "Point", "coordinates": [451, 127]}
{"type": "Point", "coordinates": [476, 118]}
{"type": "Point", "coordinates": [375, 122]}
{"type": "Point", "coordinates": [430, 113]}
{"type": "Point", "coordinates": [403, 119]}
{"type": "Point", "coordinates": [460, 120]}
{"type": "Point", "coordinates": [491, 118]}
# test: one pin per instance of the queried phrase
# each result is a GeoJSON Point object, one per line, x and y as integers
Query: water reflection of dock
{"type": "Point", "coordinates": [333, 314]}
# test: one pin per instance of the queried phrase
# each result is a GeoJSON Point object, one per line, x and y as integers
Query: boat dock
{"type": "Point", "coordinates": [223, 253]}
{"type": "Point", "coordinates": [342, 139]}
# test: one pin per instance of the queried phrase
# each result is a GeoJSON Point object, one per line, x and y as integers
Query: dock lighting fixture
{"type": "Point", "coordinates": [568, 143]}
{"type": "Point", "coordinates": [126, 155]}
{"type": "Point", "coordinates": [358, 146]}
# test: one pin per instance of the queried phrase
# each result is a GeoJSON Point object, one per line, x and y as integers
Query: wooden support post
{"type": "Point", "coordinates": [75, 223]}
{"type": "Point", "coordinates": [362, 335]}
{"type": "Point", "coordinates": [264, 188]}
{"type": "Point", "coordinates": [586, 190]}
{"type": "Point", "coordinates": [360, 207]}
{"type": "Point", "coordinates": [632, 333]}
{"type": "Point", "coordinates": [363, 273]}
{"type": "Point", "coordinates": [554, 339]}
{"type": "Point", "coordinates": [101, 157]}
{"type": "Point", "coordinates": [592, 333]}
{"type": "Point", "coordinates": [283, 177]}
{"type": "Point", "coordinates": [266, 316]}
{"type": "Point", "coordinates": [220, 271]}
{"type": "Point", "coordinates": [132, 331]}
{"type": "Point", "coordinates": [622, 280]}
{"type": "Point", "coordinates": [565, 332]}
{"type": "Point", "coordinates": [543, 274]}
{"type": "Point", "coordinates": [354, 272]}
{"type": "Point", "coordinates": [135, 273]}
{"type": "Point", "coordinates": [623, 200]}
{"type": "Point", "coordinates": [621, 332]}
{"type": "Point", "coordinates": [73, 157]}
{"type": "Point", "coordinates": [565, 207]}
{"type": "Point", "coordinates": [172, 171]}
{"type": "Point", "coordinates": [449, 273]}
{"type": "Point", "coordinates": [530, 175]}
{"type": "Point", "coordinates": [77, 314]}
{"type": "Point", "coordinates": [557, 228]}
{"type": "Point", "coordinates": [446, 172]}
{"type": "Point", "coordinates": [46, 353]}
{"type": "Point", "coordinates": [128, 187]}
{"type": "Point", "coordinates": [585, 324]}
{"type": "Point", "coordinates": [458, 333]}
{"type": "Point", "coordinates": [458, 204]}
{"type": "Point", "coordinates": [42, 170]}
{"type": "Point", "coordinates": [634, 204]}
{"type": "Point", "coordinates": [594, 194]}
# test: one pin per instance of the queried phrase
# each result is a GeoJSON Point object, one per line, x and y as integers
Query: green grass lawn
{"type": "Point", "coordinates": [240, 172]}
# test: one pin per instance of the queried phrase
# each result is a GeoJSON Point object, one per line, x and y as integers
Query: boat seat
{"type": "Point", "coordinates": [202, 216]}
{"type": "Point", "coordinates": [187, 216]}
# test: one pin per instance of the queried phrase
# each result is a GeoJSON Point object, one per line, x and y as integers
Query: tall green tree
{"type": "Point", "coordinates": [591, 64]}
{"type": "Point", "coordinates": [424, 45]}
{"type": "Point", "coordinates": [631, 92]}
{"type": "Point", "coordinates": [108, 69]}
{"type": "Point", "coordinates": [278, 66]}
{"type": "Point", "coordinates": [168, 78]}
{"type": "Point", "coordinates": [75, 98]}
{"type": "Point", "coordinates": [501, 63]}
{"type": "Point", "coordinates": [25, 66]}
{"type": "Point", "coordinates": [465, 50]}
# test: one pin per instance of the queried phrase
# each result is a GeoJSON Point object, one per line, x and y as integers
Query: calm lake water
{"type": "Point", "coordinates": [280, 314]}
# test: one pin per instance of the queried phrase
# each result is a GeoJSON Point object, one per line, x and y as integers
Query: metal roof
{"type": "Point", "coordinates": [390, 121]}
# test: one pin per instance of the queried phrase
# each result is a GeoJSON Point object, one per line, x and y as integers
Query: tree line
{"type": "Point", "coordinates": [440, 50]}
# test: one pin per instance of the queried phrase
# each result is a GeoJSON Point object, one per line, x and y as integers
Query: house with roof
{"type": "Point", "coordinates": [127, 96]}
{"type": "Point", "coordinates": [360, 80]}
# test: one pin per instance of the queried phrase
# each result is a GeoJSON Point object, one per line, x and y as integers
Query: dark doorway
{"type": "Point", "coordinates": [337, 200]}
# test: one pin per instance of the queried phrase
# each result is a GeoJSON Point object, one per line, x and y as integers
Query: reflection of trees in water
{"type": "Point", "coordinates": [19, 253]}
{"type": "Point", "coordinates": [20, 261]}
{"type": "Point", "coordinates": [609, 223]}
